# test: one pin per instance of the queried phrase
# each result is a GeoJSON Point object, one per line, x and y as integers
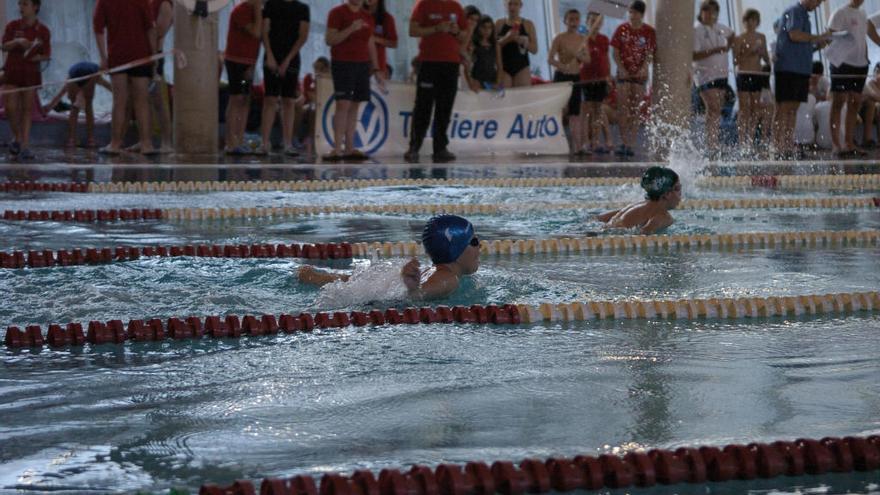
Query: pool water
{"type": "Point", "coordinates": [152, 416]}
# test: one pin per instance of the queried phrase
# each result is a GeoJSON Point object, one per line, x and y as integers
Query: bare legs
{"type": "Point", "coordinates": [631, 96]}
{"type": "Point", "coordinates": [783, 126]}
{"type": "Point", "coordinates": [747, 121]}
{"type": "Point", "coordinates": [712, 99]}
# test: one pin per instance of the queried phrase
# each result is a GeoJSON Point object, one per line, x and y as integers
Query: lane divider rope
{"type": "Point", "coordinates": [809, 182]}
{"type": "Point", "coordinates": [95, 256]}
{"type": "Point", "coordinates": [586, 472]}
{"type": "Point", "coordinates": [610, 244]}
{"type": "Point", "coordinates": [279, 212]}
{"type": "Point", "coordinates": [193, 327]}
{"type": "Point", "coordinates": [622, 244]}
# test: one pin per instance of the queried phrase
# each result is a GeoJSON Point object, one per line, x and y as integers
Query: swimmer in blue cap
{"type": "Point", "coordinates": [454, 250]}
{"type": "Point", "coordinates": [663, 194]}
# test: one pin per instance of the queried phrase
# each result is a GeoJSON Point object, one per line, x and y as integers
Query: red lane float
{"type": "Point", "coordinates": [30, 186]}
{"type": "Point", "coordinates": [641, 469]}
{"type": "Point", "coordinates": [231, 326]}
{"type": "Point", "coordinates": [94, 256]}
{"type": "Point", "coordinates": [766, 181]}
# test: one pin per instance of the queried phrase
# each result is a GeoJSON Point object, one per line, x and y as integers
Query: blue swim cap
{"type": "Point", "coordinates": [446, 237]}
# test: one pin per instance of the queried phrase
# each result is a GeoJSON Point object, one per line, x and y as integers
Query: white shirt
{"type": "Point", "coordinates": [706, 38]}
{"type": "Point", "coordinates": [851, 49]}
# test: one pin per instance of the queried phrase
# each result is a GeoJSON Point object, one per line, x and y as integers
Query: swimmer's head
{"type": "Point", "coordinates": [661, 183]}
{"type": "Point", "coordinates": [450, 238]}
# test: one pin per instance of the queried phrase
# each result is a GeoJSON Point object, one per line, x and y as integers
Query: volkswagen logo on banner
{"type": "Point", "coordinates": [372, 125]}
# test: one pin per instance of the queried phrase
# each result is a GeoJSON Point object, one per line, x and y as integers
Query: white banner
{"type": "Point", "coordinates": [521, 120]}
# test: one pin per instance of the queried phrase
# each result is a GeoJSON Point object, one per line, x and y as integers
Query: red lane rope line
{"type": "Point", "coordinates": [94, 256]}
{"type": "Point", "coordinates": [584, 472]}
{"type": "Point", "coordinates": [231, 326]}
{"type": "Point", "coordinates": [83, 216]}
{"type": "Point", "coordinates": [29, 186]}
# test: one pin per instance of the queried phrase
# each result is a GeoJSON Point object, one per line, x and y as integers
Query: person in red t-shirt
{"type": "Point", "coordinates": [27, 42]}
{"type": "Point", "coordinates": [163, 16]}
{"type": "Point", "coordinates": [242, 50]}
{"type": "Point", "coordinates": [125, 33]}
{"type": "Point", "coordinates": [353, 58]}
{"type": "Point", "coordinates": [634, 45]}
{"type": "Point", "coordinates": [443, 29]}
{"type": "Point", "coordinates": [595, 72]}
{"type": "Point", "coordinates": [384, 34]}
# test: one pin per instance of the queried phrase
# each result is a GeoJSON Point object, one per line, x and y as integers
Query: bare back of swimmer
{"type": "Point", "coordinates": [663, 194]}
{"type": "Point", "coordinates": [454, 250]}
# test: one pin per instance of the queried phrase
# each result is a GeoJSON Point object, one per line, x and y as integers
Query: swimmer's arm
{"type": "Point", "coordinates": [104, 83]}
{"type": "Point", "coordinates": [57, 98]}
{"type": "Point", "coordinates": [439, 284]}
{"type": "Point", "coordinates": [656, 223]}
{"type": "Point", "coordinates": [313, 276]}
{"type": "Point", "coordinates": [605, 217]}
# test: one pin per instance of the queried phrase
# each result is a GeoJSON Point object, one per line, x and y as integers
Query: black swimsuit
{"type": "Point", "coordinates": [511, 55]}
{"type": "Point", "coordinates": [485, 69]}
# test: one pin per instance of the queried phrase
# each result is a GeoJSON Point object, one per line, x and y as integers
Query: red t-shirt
{"type": "Point", "coordinates": [635, 45]}
{"type": "Point", "coordinates": [127, 23]}
{"type": "Point", "coordinates": [15, 58]}
{"type": "Point", "coordinates": [309, 85]}
{"type": "Point", "coordinates": [599, 67]}
{"type": "Point", "coordinates": [439, 47]}
{"type": "Point", "coordinates": [155, 5]}
{"type": "Point", "coordinates": [388, 31]}
{"type": "Point", "coordinates": [241, 47]}
{"type": "Point", "coordinates": [355, 48]}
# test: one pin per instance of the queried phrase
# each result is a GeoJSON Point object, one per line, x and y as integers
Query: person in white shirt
{"type": "Point", "coordinates": [711, 43]}
{"type": "Point", "coordinates": [848, 55]}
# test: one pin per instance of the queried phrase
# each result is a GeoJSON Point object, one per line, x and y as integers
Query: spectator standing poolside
{"type": "Point", "coordinates": [310, 99]}
{"type": "Point", "coordinates": [26, 42]}
{"type": "Point", "coordinates": [749, 50]}
{"type": "Point", "coordinates": [285, 30]}
{"type": "Point", "coordinates": [353, 59]}
{"type": "Point", "coordinates": [242, 50]}
{"type": "Point", "coordinates": [712, 41]}
{"type": "Point", "coordinates": [442, 28]}
{"type": "Point", "coordinates": [125, 32]}
{"type": "Point", "coordinates": [518, 38]}
{"type": "Point", "coordinates": [635, 44]}
{"type": "Point", "coordinates": [595, 73]}
{"type": "Point", "coordinates": [794, 60]}
{"type": "Point", "coordinates": [566, 54]}
{"type": "Point", "coordinates": [81, 95]}
{"type": "Point", "coordinates": [848, 55]}
{"type": "Point", "coordinates": [163, 16]}
{"type": "Point", "coordinates": [870, 104]}
{"type": "Point", "coordinates": [485, 56]}
{"type": "Point", "coordinates": [384, 33]}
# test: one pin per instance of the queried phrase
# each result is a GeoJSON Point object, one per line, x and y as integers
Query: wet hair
{"type": "Point", "coordinates": [658, 181]}
{"type": "Point", "coordinates": [818, 68]}
{"type": "Point", "coordinates": [570, 12]}
{"type": "Point", "coordinates": [446, 237]}
{"type": "Point", "coordinates": [476, 36]}
{"type": "Point", "coordinates": [471, 10]}
{"type": "Point", "coordinates": [37, 4]}
{"type": "Point", "coordinates": [639, 6]}
{"type": "Point", "coordinates": [752, 14]}
{"type": "Point", "coordinates": [323, 61]}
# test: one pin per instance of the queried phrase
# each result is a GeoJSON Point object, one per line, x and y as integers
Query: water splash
{"type": "Point", "coordinates": [377, 281]}
{"type": "Point", "coordinates": [679, 148]}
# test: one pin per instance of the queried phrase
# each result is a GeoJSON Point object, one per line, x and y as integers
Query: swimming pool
{"type": "Point", "coordinates": [152, 416]}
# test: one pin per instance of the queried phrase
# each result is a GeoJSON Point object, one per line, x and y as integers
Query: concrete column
{"type": "Point", "coordinates": [672, 69]}
{"type": "Point", "coordinates": [196, 86]}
